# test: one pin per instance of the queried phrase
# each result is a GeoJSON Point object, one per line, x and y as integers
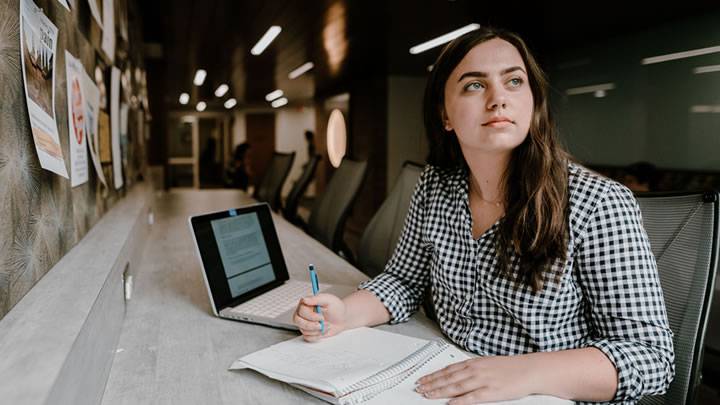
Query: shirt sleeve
{"type": "Point", "coordinates": [620, 281]}
{"type": "Point", "coordinates": [401, 285]}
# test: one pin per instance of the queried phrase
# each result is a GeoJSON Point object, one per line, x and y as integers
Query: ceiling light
{"type": "Point", "coordinates": [279, 102]}
{"type": "Point", "coordinates": [300, 70]}
{"type": "Point", "coordinates": [221, 90]}
{"type": "Point", "coordinates": [680, 55]}
{"type": "Point", "coordinates": [706, 69]}
{"type": "Point", "coordinates": [598, 90]}
{"type": "Point", "coordinates": [201, 106]}
{"type": "Point", "coordinates": [184, 98]}
{"type": "Point", "coordinates": [199, 77]}
{"type": "Point", "coordinates": [230, 103]}
{"type": "Point", "coordinates": [266, 39]}
{"type": "Point", "coordinates": [274, 94]}
{"type": "Point", "coordinates": [443, 39]}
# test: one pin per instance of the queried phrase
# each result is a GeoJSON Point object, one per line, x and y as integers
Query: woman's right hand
{"type": "Point", "coordinates": [308, 321]}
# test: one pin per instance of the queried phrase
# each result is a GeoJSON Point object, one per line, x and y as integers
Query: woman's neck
{"type": "Point", "coordinates": [487, 172]}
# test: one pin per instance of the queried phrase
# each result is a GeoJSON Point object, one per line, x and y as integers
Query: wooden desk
{"type": "Point", "coordinates": [172, 350]}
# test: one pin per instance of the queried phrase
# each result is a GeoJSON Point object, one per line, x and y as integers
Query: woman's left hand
{"type": "Point", "coordinates": [481, 379]}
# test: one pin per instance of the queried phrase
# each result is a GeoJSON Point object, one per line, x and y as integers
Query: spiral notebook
{"type": "Point", "coordinates": [363, 365]}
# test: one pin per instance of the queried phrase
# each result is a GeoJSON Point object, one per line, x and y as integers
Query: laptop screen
{"type": "Point", "coordinates": [240, 253]}
{"type": "Point", "coordinates": [245, 258]}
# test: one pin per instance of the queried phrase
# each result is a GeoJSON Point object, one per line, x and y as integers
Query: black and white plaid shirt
{"type": "Point", "coordinates": [608, 296]}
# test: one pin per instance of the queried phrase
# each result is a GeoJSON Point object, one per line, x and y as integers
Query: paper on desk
{"type": "Point", "coordinates": [405, 392]}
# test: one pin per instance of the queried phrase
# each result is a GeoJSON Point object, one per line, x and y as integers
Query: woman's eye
{"type": "Point", "coordinates": [473, 86]}
{"type": "Point", "coordinates": [515, 82]}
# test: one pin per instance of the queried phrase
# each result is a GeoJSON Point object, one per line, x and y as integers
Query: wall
{"type": "Point", "coordinates": [662, 113]}
{"type": "Point", "coordinates": [406, 133]}
{"type": "Point", "coordinates": [43, 217]}
{"type": "Point", "coordinates": [290, 127]}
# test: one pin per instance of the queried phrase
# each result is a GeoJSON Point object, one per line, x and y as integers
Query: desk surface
{"type": "Point", "coordinates": [172, 350]}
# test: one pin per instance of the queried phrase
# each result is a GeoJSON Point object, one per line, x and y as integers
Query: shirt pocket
{"type": "Point", "coordinates": [451, 281]}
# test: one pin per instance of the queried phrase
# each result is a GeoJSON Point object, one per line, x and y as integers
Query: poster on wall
{"type": "Point", "coordinates": [95, 11]}
{"type": "Point", "coordinates": [38, 37]}
{"type": "Point", "coordinates": [76, 120]}
{"type": "Point", "coordinates": [92, 118]}
{"type": "Point", "coordinates": [115, 126]}
{"type": "Point", "coordinates": [108, 35]}
{"type": "Point", "coordinates": [124, 112]}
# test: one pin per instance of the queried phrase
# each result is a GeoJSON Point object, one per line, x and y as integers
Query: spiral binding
{"type": "Point", "coordinates": [392, 376]}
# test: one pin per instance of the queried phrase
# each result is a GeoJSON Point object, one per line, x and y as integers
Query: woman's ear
{"type": "Point", "coordinates": [445, 120]}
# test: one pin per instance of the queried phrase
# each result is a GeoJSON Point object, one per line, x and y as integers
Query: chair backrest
{"type": "Point", "coordinates": [328, 215]}
{"type": "Point", "coordinates": [383, 231]}
{"type": "Point", "coordinates": [683, 233]}
{"type": "Point", "coordinates": [298, 189]}
{"type": "Point", "coordinates": [270, 187]}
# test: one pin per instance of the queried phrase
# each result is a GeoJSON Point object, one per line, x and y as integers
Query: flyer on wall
{"type": "Point", "coordinates": [95, 11]}
{"type": "Point", "coordinates": [115, 126]}
{"type": "Point", "coordinates": [76, 120]}
{"type": "Point", "coordinates": [38, 37]}
{"type": "Point", "coordinates": [92, 118]}
{"type": "Point", "coordinates": [108, 34]}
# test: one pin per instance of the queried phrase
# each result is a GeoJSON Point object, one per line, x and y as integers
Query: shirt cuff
{"type": "Point", "coordinates": [389, 291]}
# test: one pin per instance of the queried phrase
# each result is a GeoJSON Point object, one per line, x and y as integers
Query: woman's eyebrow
{"type": "Point", "coordinates": [483, 74]}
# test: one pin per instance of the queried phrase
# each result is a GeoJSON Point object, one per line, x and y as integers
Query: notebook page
{"type": "Point", "coordinates": [405, 392]}
{"type": "Point", "coordinates": [336, 362]}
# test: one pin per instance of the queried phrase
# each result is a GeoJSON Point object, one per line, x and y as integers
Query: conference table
{"type": "Point", "coordinates": [173, 350]}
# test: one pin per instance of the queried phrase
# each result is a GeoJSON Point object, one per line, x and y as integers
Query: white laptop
{"type": "Point", "coordinates": [244, 268]}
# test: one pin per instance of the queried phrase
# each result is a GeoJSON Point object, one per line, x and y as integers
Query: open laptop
{"type": "Point", "coordinates": [244, 268]}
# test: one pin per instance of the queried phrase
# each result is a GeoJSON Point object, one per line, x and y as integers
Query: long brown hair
{"type": "Point", "coordinates": [535, 226]}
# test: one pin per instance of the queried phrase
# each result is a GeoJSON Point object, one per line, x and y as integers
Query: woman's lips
{"type": "Point", "coordinates": [498, 123]}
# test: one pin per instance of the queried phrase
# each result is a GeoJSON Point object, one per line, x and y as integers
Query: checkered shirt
{"type": "Point", "coordinates": [608, 295]}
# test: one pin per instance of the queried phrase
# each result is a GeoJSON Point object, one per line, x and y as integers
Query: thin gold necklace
{"type": "Point", "coordinates": [475, 191]}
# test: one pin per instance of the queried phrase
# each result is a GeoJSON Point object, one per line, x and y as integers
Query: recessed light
{"type": "Point", "coordinates": [279, 102]}
{"type": "Point", "coordinates": [199, 77]}
{"type": "Point", "coordinates": [184, 98]}
{"type": "Point", "coordinates": [201, 106]}
{"type": "Point", "coordinates": [274, 95]}
{"type": "Point", "coordinates": [266, 39]}
{"type": "Point", "coordinates": [443, 39]}
{"type": "Point", "coordinates": [680, 55]}
{"type": "Point", "coordinates": [221, 90]}
{"type": "Point", "coordinates": [230, 103]}
{"type": "Point", "coordinates": [599, 90]}
{"type": "Point", "coordinates": [300, 70]}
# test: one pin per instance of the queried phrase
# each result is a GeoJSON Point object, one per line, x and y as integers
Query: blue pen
{"type": "Point", "coordinates": [315, 290]}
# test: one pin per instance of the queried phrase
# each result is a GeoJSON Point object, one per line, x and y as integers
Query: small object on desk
{"type": "Point", "coordinates": [315, 291]}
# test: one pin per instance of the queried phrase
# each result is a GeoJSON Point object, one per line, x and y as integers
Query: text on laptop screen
{"type": "Point", "coordinates": [243, 252]}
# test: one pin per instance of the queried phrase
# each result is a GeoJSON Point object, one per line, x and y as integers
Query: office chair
{"type": "Point", "coordinates": [383, 231]}
{"type": "Point", "coordinates": [328, 215]}
{"type": "Point", "coordinates": [298, 189]}
{"type": "Point", "coordinates": [270, 187]}
{"type": "Point", "coordinates": [683, 233]}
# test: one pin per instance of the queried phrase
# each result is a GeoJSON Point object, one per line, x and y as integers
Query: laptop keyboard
{"type": "Point", "coordinates": [276, 301]}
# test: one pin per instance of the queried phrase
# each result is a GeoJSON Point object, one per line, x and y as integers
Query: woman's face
{"type": "Point", "coordinates": [488, 101]}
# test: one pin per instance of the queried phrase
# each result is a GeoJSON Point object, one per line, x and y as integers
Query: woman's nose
{"type": "Point", "coordinates": [496, 99]}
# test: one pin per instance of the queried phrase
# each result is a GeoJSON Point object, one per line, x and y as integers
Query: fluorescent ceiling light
{"type": "Point", "coordinates": [199, 77]}
{"type": "Point", "coordinates": [266, 39]}
{"type": "Point", "coordinates": [201, 106]}
{"type": "Point", "coordinates": [595, 89]}
{"type": "Point", "coordinates": [274, 94]}
{"type": "Point", "coordinates": [221, 90]}
{"type": "Point", "coordinates": [443, 39]}
{"type": "Point", "coordinates": [184, 98]}
{"type": "Point", "coordinates": [706, 69]}
{"type": "Point", "coordinates": [279, 102]}
{"type": "Point", "coordinates": [230, 103]}
{"type": "Point", "coordinates": [713, 109]}
{"type": "Point", "coordinates": [680, 55]}
{"type": "Point", "coordinates": [300, 70]}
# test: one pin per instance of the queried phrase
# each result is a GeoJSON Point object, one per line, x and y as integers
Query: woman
{"type": "Point", "coordinates": [535, 263]}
